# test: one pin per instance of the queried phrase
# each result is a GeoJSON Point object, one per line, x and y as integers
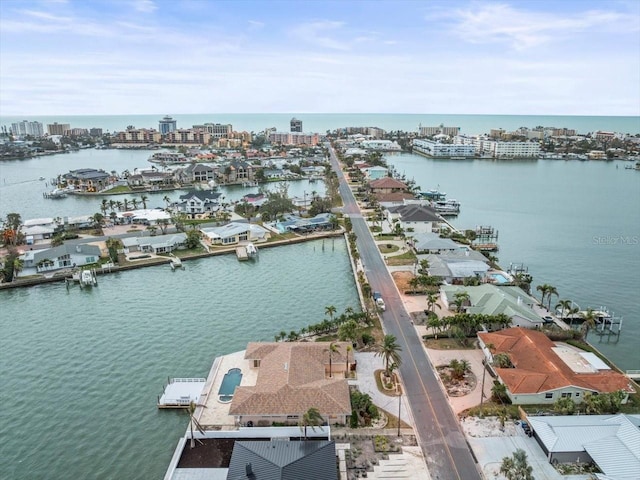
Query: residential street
{"type": "Point", "coordinates": [443, 444]}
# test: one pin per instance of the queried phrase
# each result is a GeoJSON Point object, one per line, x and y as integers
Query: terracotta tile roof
{"type": "Point", "coordinates": [291, 379]}
{"type": "Point", "coordinates": [388, 182]}
{"type": "Point", "coordinates": [539, 369]}
{"type": "Point", "coordinates": [394, 197]}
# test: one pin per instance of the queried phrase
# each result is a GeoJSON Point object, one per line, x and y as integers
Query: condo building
{"type": "Point", "coordinates": [57, 128]}
{"type": "Point", "coordinates": [167, 125]}
{"type": "Point", "coordinates": [26, 127]}
{"type": "Point", "coordinates": [432, 148]}
{"type": "Point", "coordinates": [216, 130]}
{"type": "Point", "coordinates": [296, 125]}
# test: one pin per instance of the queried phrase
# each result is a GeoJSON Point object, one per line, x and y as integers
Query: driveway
{"type": "Point", "coordinates": [368, 363]}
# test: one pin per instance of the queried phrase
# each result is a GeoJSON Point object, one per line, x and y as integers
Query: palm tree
{"type": "Point", "coordinates": [144, 200]}
{"type": "Point", "coordinates": [119, 204]}
{"type": "Point", "coordinates": [330, 310]}
{"type": "Point", "coordinates": [134, 202]}
{"type": "Point", "coordinates": [193, 422]}
{"type": "Point", "coordinates": [589, 321]}
{"type": "Point", "coordinates": [572, 313]}
{"type": "Point", "coordinates": [543, 289]}
{"type": "Point", "coordinates": [311, 418]}
{"type": "Point", "coordinates": [112, 205]}
{"type": "Point", "coordinates": [432, 299]}
{"type": "Point", "coordinates": [551, 291]}
{"type": "Point", "coordinates": [167, 200]}
{"type": "Point", "coordinates": [104, 206]}
{"type": "Point", "coordinates": [460, 299]}
{"type": "Point", "coordinates": [333, 348]}
{"type": "Point", "coordinates": [18, 264]}
{"type": "Point", "coordinates": [565, 305]}
{"type": "Point", "coordinates": [125, 204]}
{"type": "Point", "coordinates": [349, 349]}
{"type": "Point", "coordinates": [389, 350]}
{"type": "Point", "coordinates": [499, 392]}
{"type": "Point", "coordinates": [516, 467]}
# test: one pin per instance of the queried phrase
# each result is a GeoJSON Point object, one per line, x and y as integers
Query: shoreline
{"type": "Point", "coordinates": [152, 262]}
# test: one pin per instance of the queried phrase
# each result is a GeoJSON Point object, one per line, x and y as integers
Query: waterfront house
{"type": "Point", "coordinates": [238, 171]}
{"type": "Point", "coordinates": [87, 179]}
{"type": "Point", "coordinates": [454, 269]}
{"type": "Point", "coordinates": [278, 460]}
{"type": "Point", "coordinates": [415, 218]}
{"type": "Point", "coordinates": [491, 299]}
{"type": "Point", "coordinates": [544, 371]}
{"type": "Point", "coordinates": [612, 442]}
{"type": "Point", "coordinates": [63, 256]}
{"type": "Point", "coordinates": [200, 172]}
{"type": "Point", "coordinates": [198, 202]}
{"type": "Point", "coordinates": [387, 185]}
{"type": "Point", "coordinates": [375, 173]}
{"type": "Point", "coordinates": [293, 377]}
{"type": "Point", "coordinates": [155, 244]}
{"type": "Point", "coordinates": [234, 233]}
{"type": "Point", "coordinates": [429, 242]}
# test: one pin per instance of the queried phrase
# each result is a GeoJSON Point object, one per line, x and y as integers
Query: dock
{"type": "Point", "coordinates": [633, 374]}
{"type": "Point", "coordinates": [241, 253]}
{"type": "Point", "coordinates": [180, 392]}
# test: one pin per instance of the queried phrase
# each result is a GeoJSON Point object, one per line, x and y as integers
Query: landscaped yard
{"type": "Point", "coordinates": [388, 248]}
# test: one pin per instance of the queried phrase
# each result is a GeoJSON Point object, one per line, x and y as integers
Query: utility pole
{"type": "Point", "coordinates": [399, 405]}
{"type": "Point", "coordinates": [484, 372]}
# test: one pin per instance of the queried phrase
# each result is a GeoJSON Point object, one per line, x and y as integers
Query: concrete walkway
{"type": "Point", "coordinates": [368, 363]}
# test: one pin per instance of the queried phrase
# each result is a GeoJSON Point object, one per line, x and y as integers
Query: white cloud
{"type": "Point", "coordinates": [316, 33]}
{"type": "Point", "coordinates": [146, 6]}
{"type": "Point", "coordinates": [255, 24]}
{"type": "Point", "coordinates": [524, 29]}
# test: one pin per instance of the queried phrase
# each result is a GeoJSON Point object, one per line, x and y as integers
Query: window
{"type": "Point", "coordinates": [548, 395]}
{"type": "Point", "coordinates": [577, 394]}
{"type": "Point", "coordinates": [566, 395]}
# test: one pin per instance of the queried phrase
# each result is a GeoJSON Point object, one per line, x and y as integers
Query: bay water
{"type": "Point", "coordinates": [81, 369]}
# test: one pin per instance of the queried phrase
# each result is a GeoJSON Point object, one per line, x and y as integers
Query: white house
{"type": "Point", "coordinates": [415, 218]}
{"type": "Point", "coordinates": [234, 233]}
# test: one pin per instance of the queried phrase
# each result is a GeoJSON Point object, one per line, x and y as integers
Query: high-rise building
{"type": "Point", "coordinates": [56, 128]}
{"type": "Point", "coordinates": [26, 127]}
{"type": "Point", "coordinates": [217, 130]}
{"type": "Point", "coordinates": [167, 125]}
{"type": "Point", "coordinates": [95, 132]}
{"type": "Point", "coordinates": [296, 125]}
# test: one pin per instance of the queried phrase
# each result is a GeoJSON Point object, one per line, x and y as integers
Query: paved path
{"type": "Point", "coordinates": [446, 452]}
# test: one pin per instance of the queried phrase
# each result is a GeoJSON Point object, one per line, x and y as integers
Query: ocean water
{"type": "Point", "coordinates": [321, 122]}
{"type": "Point", "coordinates": [81, 369]}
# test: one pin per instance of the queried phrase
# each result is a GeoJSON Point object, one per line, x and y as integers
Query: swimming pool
{"type": "Point", "coordinates": [229, 383]}
{"type": "Point", "coordinates": [499, 278]}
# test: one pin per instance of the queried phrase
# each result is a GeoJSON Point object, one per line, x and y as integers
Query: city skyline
{"type": "Point", "coordinates": [142, 57]}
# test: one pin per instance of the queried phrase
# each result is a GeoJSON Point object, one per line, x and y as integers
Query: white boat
{"type": "Point", "coordinates": [56, 193]}
{"type": "Point", "coordinates": [252, 250]}
{"type": "Point", "coordinates": [447, 207]}
{"type": "Point", "coordinates": [176, 263]}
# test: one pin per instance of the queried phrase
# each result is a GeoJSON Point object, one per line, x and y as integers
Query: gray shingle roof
{"type": "Point", "coordinates": [282, 460]}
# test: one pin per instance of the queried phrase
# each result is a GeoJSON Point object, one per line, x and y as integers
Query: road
{"type": "Point", "coordinates": [445, 449]}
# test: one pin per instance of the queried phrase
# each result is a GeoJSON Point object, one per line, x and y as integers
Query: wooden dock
{"type": "Point", "coordinates": [241, 253]}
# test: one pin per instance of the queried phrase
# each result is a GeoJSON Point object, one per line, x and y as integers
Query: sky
{"type": "Point", "coordinates": [117, 57]}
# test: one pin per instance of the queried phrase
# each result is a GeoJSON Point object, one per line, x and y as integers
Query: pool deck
{"type": "Point", "coordinates": [213, 413]}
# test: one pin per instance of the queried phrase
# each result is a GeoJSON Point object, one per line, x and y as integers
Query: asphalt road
{"type": "Point", "coordinates": [445, 449]}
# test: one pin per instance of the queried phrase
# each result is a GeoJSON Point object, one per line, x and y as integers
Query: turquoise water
{"type": "Point", "coordinates": [498, 277]}
{"type": "Point", "coordinates": [230, 381]}
{"type": "Point", "coordinates": [80, 369]}
{"type": "Point", "coordinates": [321, 122]}
{"type": "Point", "coordinates": [575, 225]}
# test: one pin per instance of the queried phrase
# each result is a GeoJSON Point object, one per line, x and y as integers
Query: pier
{"type": "Point", "coordinates": [180, 392]}
{"type": "Point", "coordinates": [486, 239]}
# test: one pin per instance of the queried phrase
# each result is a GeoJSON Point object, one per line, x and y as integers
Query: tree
{"type": "Point", "coordinates": [460, 299]}
{"type": "Point", "coordinates": [432, 299]}
{"type": "Point", "coordinates": [193, 239]}
{"type": "Point", "coordinates": [363, 408]}
{"type": "Point", "coordinates": [551, 291]}
{"type": "Point", "coordinates": [330, 310]}
{"type": "Point", "coordinates": [144, 200]}
{"type": "Point", "coordinates": [311, 418]}
{"type": "Point", "coordinates": [333, 348]}
{"type": "Point", "coordinates": [167, 200]}
{"type": "Point", "coordinates": [18, 264]}
{"type": "Point", "coordinates": [113, 245]}
{"type": "Point", "coordinates": [12, 228]}
{"type": "Point", "coordinates": [459, 368]}
{"type": "Point", "coordinates": [499, 392]}
{"type": "Point", "coordinates": [163, 224]}
{"type": "Point", "coordinates": [193, 422]}
{"type": "Point", "coordinates": [543, 289]}
{"type": "Point", "coordinates": [502, 360]}
{"type": "Point", "coordinates": [348, 331]}
{"type": "Point", "coordinates": [104, 206]}
{"type": "Point", "coordinates": [589, 321]}
{"type": "Point", "coordinates": [98, 218]}
{"type": "Point", "coordinates": [565, 305]}
{"type": "Point", "coordinates": [564, 406]}
{"type": "Point", "coordinates": [516, 467]}
{"type": "Point", "coordinates": [349, 349]}
{"type": "Point", "coordinates": [389, 350]}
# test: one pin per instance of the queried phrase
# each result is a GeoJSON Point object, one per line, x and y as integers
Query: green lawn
{"type": "Point", "coordinates": [118, 189]}
{"type": "Point", "coordinates": [388, 248]}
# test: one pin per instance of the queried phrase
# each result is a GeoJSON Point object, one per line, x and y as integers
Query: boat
{"type": "Point", "coordinates": [41, 179]}
{"type": "Point", "coordinates": [56, 193]}
{"type": "Point", "coordinates": [175, 263]}
{"type": "Point", "coordinates": [434, 195]}
{"type": "Point", "coordinates": [85, 278]}
{"type": "Point", "coordinates": [252, 250]}
{"type": "Point", "coordinates": [633, 167]}
{"type": "Point", "coordinates": [445, 208]}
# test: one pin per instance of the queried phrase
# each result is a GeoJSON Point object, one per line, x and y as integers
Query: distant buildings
{"type": "Point", "coordinates": [216, 130]}
{"type": "Point", "coordinates": [57, 128]}
{"type": "Point", "coordinates": [486, 147]}
{"type": "Point", "coordinates": [26, 127]}
{"type": "Point", "coordinates": [293, 138]}
{"type": "Point", "coordinates": [441, 130]}
{"type": "Point", "coordinates": [296, 125]}
{"type": "Point", "coordinates": [167, 125]}
{"type": "Point", "coordinates": [433, 148]}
